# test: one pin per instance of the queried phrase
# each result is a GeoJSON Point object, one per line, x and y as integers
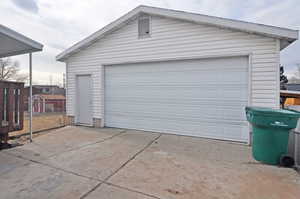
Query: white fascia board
{"type": "Point", "coordinates": [35, 46]}
{"type": "Point", "coordinates": [20, 52]}
{"type": "Point", "coordinates": [97, 35]}
{"type": "Point", "coordinates": [270, 31]}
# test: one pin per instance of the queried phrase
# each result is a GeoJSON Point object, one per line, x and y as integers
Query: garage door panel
{"type": "Point", "coordinates": [175, 121]}
{"type": "Point", "coordinates": [188, 78]}
{"type": "Point", "coordinates": [230, 97]}
{"type": "Point", "coordinates": [186, 93]}
{"type": "Point", "coordinates": [196, 97]}
{"type": "Point", "coordinates": [176, 105]}
{"type": "Point", "coordinates": [213, 117]}
{"type": "Point", "coordinates": [208, 129]}
{"type": "Point", "coordinates": [160, 109]}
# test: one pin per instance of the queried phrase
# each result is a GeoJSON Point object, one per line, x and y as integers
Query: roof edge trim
{"type": "Point", "coordinates": [21, 38]}
{"type": "Point", "coordinates": [255, 28]}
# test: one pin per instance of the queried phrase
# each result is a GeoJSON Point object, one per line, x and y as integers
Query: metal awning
{"type": "Point", "coordinates": [13, 43]}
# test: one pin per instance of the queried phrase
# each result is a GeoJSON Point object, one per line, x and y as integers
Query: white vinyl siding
{"type": "Point", "coordinates": [175, 39]}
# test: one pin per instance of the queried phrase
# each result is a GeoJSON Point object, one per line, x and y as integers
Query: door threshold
{"type": "Point", "coordinates": [83, 124]}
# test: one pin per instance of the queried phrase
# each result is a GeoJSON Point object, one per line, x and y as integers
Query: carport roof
{"type": "Point", "coordinates": [13, 43]}
{"type": "Point", "coordinates": [286, 36]}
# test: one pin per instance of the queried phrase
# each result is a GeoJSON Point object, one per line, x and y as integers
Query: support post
{"type": "Point", "coordinates": [30, 95]}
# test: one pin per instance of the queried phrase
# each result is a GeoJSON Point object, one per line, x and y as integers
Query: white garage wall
{"type": "Point", "coordinates": [171, 39]}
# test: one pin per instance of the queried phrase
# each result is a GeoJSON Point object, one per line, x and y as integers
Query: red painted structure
{"type": "Point", "coordinates": [11, 108]}
{"type": "Point", "coordinates": [42, 90]}
{"type": "Point", "coordinates": [49, 103]}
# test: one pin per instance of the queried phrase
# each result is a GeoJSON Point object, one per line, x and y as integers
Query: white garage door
{"type": "Point", "coordinates": [204, 97]}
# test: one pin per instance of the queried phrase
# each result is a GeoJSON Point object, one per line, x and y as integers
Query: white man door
{"type": "Point", "coordinates": [84, 100]}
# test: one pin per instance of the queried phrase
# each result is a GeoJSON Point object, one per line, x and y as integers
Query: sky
{"type": "Point", "coordinates": [58, 24]}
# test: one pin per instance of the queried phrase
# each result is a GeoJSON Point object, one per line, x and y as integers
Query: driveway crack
{"type": "Point", "coordinates": [122, 166]}
{"type": "Point", "coordinates": [82, 146]}
{"type": "Point", "coordinates": [131, 190]}
{"type": "Point", "coordinates": [57, 168]}
{"type": "Point", "coordinates": [133, 157]}
{"type": "Point", "coordinates": [53, 167]}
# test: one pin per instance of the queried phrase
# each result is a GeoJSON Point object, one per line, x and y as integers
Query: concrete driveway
{"type": "Point", "coordinates": [108, 163]}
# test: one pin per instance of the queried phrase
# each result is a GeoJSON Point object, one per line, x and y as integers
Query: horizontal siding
{"type": "Point", "coordinates": [175, 39]}
{"type": "Point", "coordinates": [166, 97]}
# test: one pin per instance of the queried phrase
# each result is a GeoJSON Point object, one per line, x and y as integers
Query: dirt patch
{"type": "Point", "coordinates": [42, 122]}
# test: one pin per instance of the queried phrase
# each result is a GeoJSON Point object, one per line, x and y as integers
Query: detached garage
{"type": "Point", "coordinates": [174, 72]}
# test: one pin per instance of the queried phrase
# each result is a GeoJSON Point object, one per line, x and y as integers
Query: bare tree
{"type": "Point", "coordinates": [283, 78]}
{"type": "Point", "coordinates": [10, 70]}
{"type": "Point", "coordinates": [283, 81]}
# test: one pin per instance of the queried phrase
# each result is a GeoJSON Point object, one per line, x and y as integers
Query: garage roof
{"type": "Point", "coordinates": [13, 43]}
{"type": "Point", "coordinates": [285, 35]}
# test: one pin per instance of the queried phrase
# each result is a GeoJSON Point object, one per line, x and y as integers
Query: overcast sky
{"type": "Point", "coordinates": [60, 23]}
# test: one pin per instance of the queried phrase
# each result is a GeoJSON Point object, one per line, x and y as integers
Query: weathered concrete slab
{"type": "Point", "coordinates": [110, 192]}
{"type": "Point", "coordinates": [62, 140]}
{"type": "Point", "coordinates": [103, 159]}
{"type": "Point", "coordinates": [171, 167]}
{"type": "Point", "coordinates": [36, 181]}
{"type": "Point", "coordinates": [206, 149]}
{"type": "Point", "coordinates": [185, 167]}
{"type": "Point", "coordinates": [9, 163]}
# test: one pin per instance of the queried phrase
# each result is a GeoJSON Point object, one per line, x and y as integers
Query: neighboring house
{"type": "Point", "coordinates": [49, 103]}
{"type": "Point", "coordinates": [46, 89]}
{"type": "Point", "coordinates": [175, 72]}
{"type": "Point", "coordinates": [293, 87]}
{"type": "Point", "coordinates": [42, 89]}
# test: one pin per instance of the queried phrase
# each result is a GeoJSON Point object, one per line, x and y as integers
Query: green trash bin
{"type": "Point", "coordinates": [270, 129]}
